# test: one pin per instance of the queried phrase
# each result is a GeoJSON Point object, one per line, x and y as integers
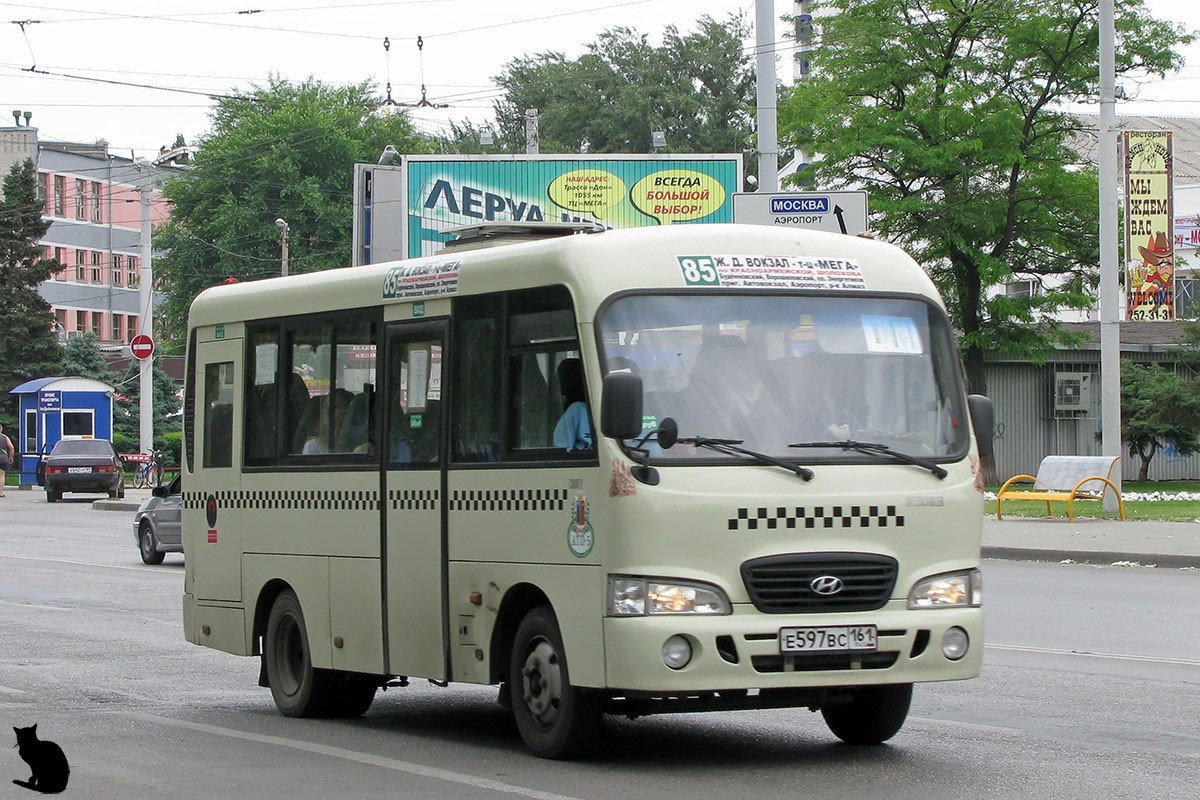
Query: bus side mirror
{"type": "Point", "coordinates": [983, 420]}
{"type": "Point", "coordinates": [621, 405]}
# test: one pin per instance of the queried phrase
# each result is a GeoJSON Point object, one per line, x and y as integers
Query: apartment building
{"type": "Point", "coordinates": [92, 199]}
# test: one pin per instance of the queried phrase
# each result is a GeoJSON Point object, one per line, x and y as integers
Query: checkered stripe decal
{"type": "Point", "coordinates": [294, 500]}
{"type": "Point", "coordinates": [414, 499]}
{"type": "Point", "coordinates": [509, 500]}
{"type": "Point", "coordinates": [399, 499]}
{"type": "Point", "coordinates": [817, 517]}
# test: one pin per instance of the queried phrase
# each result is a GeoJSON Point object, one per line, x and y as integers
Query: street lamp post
{"type": "Point", "coordinates": [283, 230]}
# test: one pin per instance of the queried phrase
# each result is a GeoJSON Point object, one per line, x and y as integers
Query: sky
{"type": "Point", "coordinates": [219, 45]}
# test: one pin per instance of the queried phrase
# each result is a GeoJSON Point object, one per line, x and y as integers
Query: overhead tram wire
{"type": "Point", "coordinates": [213, 95]}
{"type": "Point", "coordinates": [99, 16]}
{"type": "Point", "coordinates": [364, 37]}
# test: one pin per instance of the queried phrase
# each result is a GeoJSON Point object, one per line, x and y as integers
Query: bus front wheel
{"type": "Point", "coordinates": [874, 715]}
{"type": "Point", "coordinates": [556, 719]}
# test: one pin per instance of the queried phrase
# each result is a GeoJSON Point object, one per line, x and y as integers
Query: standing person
{"type": "Point", "coordinates": [7, 456]}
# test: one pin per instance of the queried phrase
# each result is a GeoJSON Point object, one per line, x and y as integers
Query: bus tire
{"type": "Point", "coordinates": [875, 715]}
{"type": "Point", "coordinates": [295, 685]}
{"type": "Point", "coordinates": [555, 719]}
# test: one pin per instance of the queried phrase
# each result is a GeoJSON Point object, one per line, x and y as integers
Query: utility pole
{"type": "Point", "coordinates": [800, 66]}
{"type": "Point", "coordinates": [768, 137]}
{"type": "Point", "coordinates": [283, 243]}
{"type": "Point", "coordinates": [146, 320]}
{"type": "Point", "coordinates": [1110, 325]}
{"type": "Point", "coordinates": [531, 131]}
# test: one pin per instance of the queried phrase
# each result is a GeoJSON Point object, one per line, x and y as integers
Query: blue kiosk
{"type": "Point", "coordinates": [59, 408]}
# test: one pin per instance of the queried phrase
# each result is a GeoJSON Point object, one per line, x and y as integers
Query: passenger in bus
{"type": "Point", "coordinates": [316, 426]}
{"type": "Point", "coordinates": [722, 388]}
{"type": "Point", "coordinates": [800, 394]}
{"type": "Point", "coordinates": [298, 401]}
{"type": "Point", "coordinates": [353, 430]}
{"type": "Point", "coordinates": [574, 429]}
{"type": "Point", "coordinates": [261, 422]}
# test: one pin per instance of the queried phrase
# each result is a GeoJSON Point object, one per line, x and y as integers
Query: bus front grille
{"type": "Point", "coordinates": [784, 584]}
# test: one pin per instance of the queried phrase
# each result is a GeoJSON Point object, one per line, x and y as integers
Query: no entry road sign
{"type": "Point", "coordinates": [142, 347]}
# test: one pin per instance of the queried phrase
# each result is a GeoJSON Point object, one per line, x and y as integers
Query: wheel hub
{"type": "Point", "coordinates": [292, 661]}
{"type": "Point", "coordinates": [541, 683]}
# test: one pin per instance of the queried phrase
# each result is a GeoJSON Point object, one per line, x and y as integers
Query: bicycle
{"type": "Point", "coordinates": [150, 473]}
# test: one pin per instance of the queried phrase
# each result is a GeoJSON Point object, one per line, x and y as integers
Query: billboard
{"type": "Point", "coordinates": [1149, 226]}
{"type": "Point", "coordinates": [402, 211]}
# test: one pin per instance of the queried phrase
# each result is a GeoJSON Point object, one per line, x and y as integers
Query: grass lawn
{"type": "Point", "coordinates": [1170, 510]}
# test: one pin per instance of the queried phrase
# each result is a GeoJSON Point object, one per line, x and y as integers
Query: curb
{"type": "Point", "coordinates": [1102, 558]}
{"type": "Point", "coordinates": [116, 505]}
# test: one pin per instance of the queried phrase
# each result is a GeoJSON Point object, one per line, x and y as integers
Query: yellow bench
{"type": "Point", "coordinates": [1062, 478]}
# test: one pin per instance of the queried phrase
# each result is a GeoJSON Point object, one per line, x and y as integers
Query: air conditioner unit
{"type": "Point", "coordinates": [1073, 392]}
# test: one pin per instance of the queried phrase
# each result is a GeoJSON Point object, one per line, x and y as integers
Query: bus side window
{"type": "Point", "coordinates": [510, 395]}
{"type": "Point", "coordinates": [476, 407]}
{"type": "Point", "coordinates": [262, 413]}
{"type": "Point", "coordinates": [218, 415]}
{"type": "Point", "coordinates": [549, 395]}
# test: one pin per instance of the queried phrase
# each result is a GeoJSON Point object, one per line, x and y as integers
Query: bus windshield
{"type": "Point", "coordinates": [779, 370]}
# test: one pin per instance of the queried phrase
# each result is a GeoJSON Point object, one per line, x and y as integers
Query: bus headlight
{"type": "Point", "coordinates": [633, 597]}
{"type": "Point", "coordinates": [951, 590]}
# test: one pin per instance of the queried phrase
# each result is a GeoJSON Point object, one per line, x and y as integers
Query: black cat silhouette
{"type": "Point", "coordinates": [46, 759]}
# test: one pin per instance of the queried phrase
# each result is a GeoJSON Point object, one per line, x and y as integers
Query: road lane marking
{"type": "Point", "coordinates": [147, 570]}
{"type": "Point", "coordinates": [10, 690]}
{"type": "Point", "coordinates": [976, 726]}
{"type": "Point", "coordinates": [1088, 654]}
{"type": "Point", "coordinates": [352, 755]}
{"type": "Point", "coordinates": [34, 605]}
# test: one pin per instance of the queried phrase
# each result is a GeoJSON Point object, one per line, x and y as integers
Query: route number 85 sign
{"type": "Point", "coordinates": [699, 271]}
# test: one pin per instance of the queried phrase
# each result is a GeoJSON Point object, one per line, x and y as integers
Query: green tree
{"type": "Point", "coordinates": [81, 358]}
{"type": "Point", "coordinates": [1158, 408]}
{"type": "Point", "coordinates": [286, 150]}
{"type": "Point", "coordinates": [698, 88]}
{"type": "Point", "coordinates": [28, 348]}
{"type": "Point", "coordinates": [949, 114]}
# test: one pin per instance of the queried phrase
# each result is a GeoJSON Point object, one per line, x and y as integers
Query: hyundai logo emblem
{"type": "Point", "coordinates": [826, 584]}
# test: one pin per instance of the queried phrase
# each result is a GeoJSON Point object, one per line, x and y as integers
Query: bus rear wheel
{"type": "Point", "coordinates": [555, 719]}
{"type": "Point", "coordinates": [874, 715]}
{"type": "Point", "coordinates": [299, 689]}
{"type": "Point", "coordinates": [294, 683]}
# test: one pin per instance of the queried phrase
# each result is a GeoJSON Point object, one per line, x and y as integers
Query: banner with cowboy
{"type": "Point", "coordinates": [1149, 226]}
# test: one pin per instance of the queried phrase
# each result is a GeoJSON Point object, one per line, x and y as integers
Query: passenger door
{"type": "Point", "coordinates": [414, 497]}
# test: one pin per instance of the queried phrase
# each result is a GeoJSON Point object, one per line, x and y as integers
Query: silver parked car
{"type": "Point", "coordinates": [157, 526]}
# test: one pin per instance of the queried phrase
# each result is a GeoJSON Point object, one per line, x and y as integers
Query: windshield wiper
{"type": "Point", "coordinates": [730, 447]}
{"type": "Point", "coordinates": [872, 447]}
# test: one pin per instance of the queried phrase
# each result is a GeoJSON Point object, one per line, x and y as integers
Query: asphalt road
{"type": "Point", "coordinates": [1090, 689]}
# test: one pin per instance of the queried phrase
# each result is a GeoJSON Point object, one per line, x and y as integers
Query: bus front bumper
{"type": "Point", "coordinates": [742, 650]}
